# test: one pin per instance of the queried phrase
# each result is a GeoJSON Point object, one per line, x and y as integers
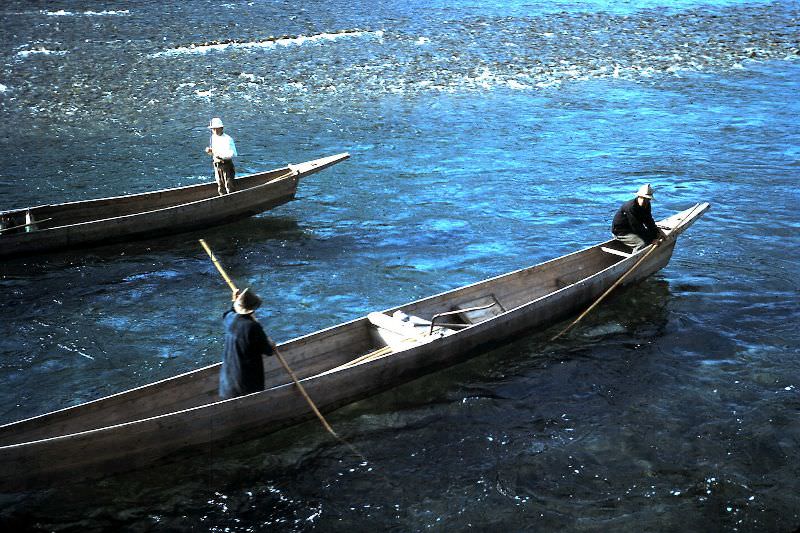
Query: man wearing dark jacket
{"type": "Point", "coordinates": [633, 223]}
{"type": "Point", "coordinates": [242, 369]}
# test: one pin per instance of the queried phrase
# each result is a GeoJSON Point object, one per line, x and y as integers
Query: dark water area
{"type": "Point", "coordinates": [485, 137]}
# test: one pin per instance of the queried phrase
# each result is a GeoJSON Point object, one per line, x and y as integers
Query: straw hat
{"type": "Point", "coordinates": [215, 123]}
{"type": "Point", "coordinates": [246, 302]}
{"type": "Point", "coordinates": [645, 191]}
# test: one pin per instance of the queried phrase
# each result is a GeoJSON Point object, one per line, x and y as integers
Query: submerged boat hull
{"type": "Point", "coordinates": [338, 365]}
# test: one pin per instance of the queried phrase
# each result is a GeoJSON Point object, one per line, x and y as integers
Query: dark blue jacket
{"type": "Point", "coordinates": [634, 218]}
{"type": "Point", "coordinates": [242, 368]}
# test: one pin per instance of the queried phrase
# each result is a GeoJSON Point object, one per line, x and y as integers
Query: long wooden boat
{"type": "Point", "coordinates": [338, 365]}
{"type": "Point", "coordinates": [121, 218]}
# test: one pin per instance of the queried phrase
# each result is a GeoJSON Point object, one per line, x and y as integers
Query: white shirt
{"type": "Point", "coordinates": [222, 146]}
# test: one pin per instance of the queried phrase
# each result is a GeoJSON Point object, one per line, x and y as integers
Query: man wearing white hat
{"type": "Point", "coordinates": [223, 150]}
{"type": "Point", "coordinates": [633, 223]}
{"type": "Point", "coordinates": [242, 370]}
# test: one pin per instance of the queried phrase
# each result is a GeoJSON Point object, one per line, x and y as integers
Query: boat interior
{"type": "Point", "coordinates": [335, 349]}
{"type": "Point", "coordinates": [375, 336]}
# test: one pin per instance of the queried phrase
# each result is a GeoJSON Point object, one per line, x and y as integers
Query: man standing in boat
{"type": "Point", "coordinates": [223, 150]}
{"type": "Point", "coordinates": [633, 223]}
{"type": "Point", "coordinates": [242, 369]}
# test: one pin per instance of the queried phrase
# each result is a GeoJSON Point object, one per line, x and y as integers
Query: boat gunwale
{"type": "Point", "coordinates": [338, 157]}
{"type": "Point", "coordinates": [193, 203]}
{"type": "Point", "coordinates": [287, 343]}
{"type": "Point", "coordinates": [473, 328]}
{"type": "Point", "coordinates": [674, 232]}
{"type": "Point", "coordinates": [134, 195]}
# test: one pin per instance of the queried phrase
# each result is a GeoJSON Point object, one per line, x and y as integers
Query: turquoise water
{"type": "Point", "coordinates": [484, 138]}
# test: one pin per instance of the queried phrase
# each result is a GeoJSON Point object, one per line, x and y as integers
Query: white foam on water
{"type": "Point", "coordinates": [514, 84]}
{"type": "Point", "coordinates": [3, 88]}
{"type": "Point", "coordinates": [41, 51]}
{"type": "Point", "coordinates": [267, 44]}
{"type": "Point", "coordinates": [485, 79]}
{"type": "Point", "coordinates": [63, 13]}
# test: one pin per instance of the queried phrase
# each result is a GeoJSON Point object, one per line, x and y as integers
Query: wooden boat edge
{"type": "Point", "coordinates": [175, 218]}
{"type": "Point", "coordinates": [310, 170]}
{"type": "Point", "coordinates": [333, 328]}
{"type": "Point", "coordinates": [242, 403]}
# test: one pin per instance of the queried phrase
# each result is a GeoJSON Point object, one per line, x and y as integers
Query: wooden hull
{"type": "Point", "coordinates": [122, 218]}
{"type": "Point", "coordinates": [136, 428]}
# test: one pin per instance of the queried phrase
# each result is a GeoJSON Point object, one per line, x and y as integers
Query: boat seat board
{"type": "Point", "coordinates": [393, 332]}
{"type": "Point", "coordinates": [401, 331]}
{"type": "Point", "coordinates": [394, 325]}
{"type": "Point", "coordinates": [615, 252]}
{"type": "Point", "coordinates": [474, 317]}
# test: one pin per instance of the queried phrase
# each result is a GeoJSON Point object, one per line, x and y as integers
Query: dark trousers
{"type": "Point", "coordinates": [632, 240]}
{"type": "Point", "coordinates": [224, 171]}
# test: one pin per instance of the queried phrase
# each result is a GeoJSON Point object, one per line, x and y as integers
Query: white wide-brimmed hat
{"type": "Point", "coordinates": [215, 123]}
{"type": "Point", "coordinates": [645, 191]}
{"type": "Point", "coordinates": [246, 302]}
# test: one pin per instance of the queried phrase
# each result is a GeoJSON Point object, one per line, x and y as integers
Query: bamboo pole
{"type": "Point", "coordinates": [625, 275]}
{"type": "Point", "coordinates": [608, 291]}
{"type": "Point", "coordinates": [214, 260]}
{"type": "Point", "coordinates": [283, 362]}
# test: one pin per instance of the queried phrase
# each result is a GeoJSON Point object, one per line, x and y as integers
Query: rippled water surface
{"type": "Point", "coordinates": [484, 137]}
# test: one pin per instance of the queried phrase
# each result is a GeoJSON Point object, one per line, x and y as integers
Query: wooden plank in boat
{"type": "Point", "coordinates": [494, 309]}
{"type": "Point", "coordinates": [620, 253]}
{"type": "Point", "coordinates": [401, 331]}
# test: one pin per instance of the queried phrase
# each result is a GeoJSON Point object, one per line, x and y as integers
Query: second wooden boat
{"type": "Point", "coordinates": [46, 228]}
{"type": "Point", "coordinates": [338, 365]}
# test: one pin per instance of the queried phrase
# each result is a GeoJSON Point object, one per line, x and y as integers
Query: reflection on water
{"type": "Point", "coordinates": [237, 235]}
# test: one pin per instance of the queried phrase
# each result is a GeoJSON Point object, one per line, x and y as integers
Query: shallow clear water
{"type": "Point", "coordinates": [485, 137]}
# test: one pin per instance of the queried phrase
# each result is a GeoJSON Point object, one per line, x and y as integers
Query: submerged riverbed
{"type": "Point", "coordinates": [485, 137]}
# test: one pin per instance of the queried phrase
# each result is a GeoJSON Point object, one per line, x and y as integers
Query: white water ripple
{"type": "Point", "coordinates": [265, 43]}
{"type": "Point", "coordinates": [64, 13]}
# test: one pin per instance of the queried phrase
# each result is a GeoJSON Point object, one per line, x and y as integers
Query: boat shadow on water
{"type": "Point", "coordinates": [245, 234]}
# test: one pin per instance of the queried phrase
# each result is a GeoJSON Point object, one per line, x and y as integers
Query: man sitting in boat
{"type": "Point", "coordinates": [223, 150]}
{"type": "Point", "coordinates": [242, 369]}
{"type": "Point", "coordinates": [633, 223]}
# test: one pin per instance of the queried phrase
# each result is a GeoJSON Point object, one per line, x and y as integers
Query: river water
{"type": "Point", "coordinates": [485, 137]}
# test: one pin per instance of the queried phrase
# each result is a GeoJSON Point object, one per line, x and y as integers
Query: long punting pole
{"type": "Point", "coordinates": [608, 291]}
{"type": "Point", "coordinates": [623, 276]}
{"type": "Point", "coordinates": [283, 361]}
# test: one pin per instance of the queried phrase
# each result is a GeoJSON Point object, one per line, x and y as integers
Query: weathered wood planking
{"type": "Point", "coordinates": [139, 427]}
{"type": "Point", "coordinates": [156, 213]}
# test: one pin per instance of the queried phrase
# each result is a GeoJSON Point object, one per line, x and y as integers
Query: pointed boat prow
{"type": "Point", "coordinates": [310, 167]}
{"type": "Point", "coordinates": [680, 222]}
